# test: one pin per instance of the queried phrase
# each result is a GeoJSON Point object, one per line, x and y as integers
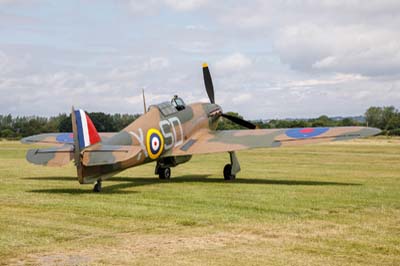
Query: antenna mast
{"type": "Point", "coordinates": [144, 102]}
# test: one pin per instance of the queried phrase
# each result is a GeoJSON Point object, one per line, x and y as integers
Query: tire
{"type": "Point", "coordinates": [227, 172]}
{"type": "Point", "coordinates": [97, 187]}
{"type": "Point", "coordinates": [164, 173]}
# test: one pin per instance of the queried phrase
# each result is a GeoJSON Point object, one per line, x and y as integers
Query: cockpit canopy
{"type": "Point", "coordinates": [166, 108]}
{"type": "Point", "coordinates": [169, 108]}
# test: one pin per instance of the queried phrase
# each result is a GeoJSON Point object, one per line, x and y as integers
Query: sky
{"type": "Point", "coordinates": [268, 59]}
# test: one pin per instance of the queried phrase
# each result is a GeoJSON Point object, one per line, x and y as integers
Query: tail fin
{"type": "Point", "coordinates": [86, 132]}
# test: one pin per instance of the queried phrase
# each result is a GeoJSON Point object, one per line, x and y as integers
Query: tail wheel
{"type": "Point", "coordinates": [97, 186]}
{"type": "Point", "coordinates": [228, 172]}
{"type": "Point", "coordinates": [164, 173]}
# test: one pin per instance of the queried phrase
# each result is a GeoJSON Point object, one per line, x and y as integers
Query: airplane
{"type": "Point", "coordinates": [169, 133]}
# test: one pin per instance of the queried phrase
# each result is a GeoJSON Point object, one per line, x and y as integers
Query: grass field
{"type": "Point", "coordinates": [331, 204]}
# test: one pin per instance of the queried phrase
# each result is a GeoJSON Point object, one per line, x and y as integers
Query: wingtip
{"type": "Point", "coordinates": [24, 140]}
{"type": "Point", "coordinates": [375, 131]}
{"type": "Point", "coordinates": [371, 131]}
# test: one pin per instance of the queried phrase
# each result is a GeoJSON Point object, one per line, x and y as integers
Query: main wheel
{"type": "Point", "coordinates": [97, 187]}
{"type": "Point", "coordinates": [164, 173]}
{"type": "Point", "coordinates": [227, 172]}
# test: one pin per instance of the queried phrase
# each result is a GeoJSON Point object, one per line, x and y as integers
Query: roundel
{"type": "Point", "coordinates": [155, 143]}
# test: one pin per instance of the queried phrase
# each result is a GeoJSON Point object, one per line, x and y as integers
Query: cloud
{"type": "Point", "coordinates": [195, 27]}
{"type": "Point", "coordinates": [242, 98]}
{"type": "Point", "coordinates": [9, 2]}
{"type": "Point", "coordinates": [3, 61]}
{"type": "Point", "coordinates": [233, 62]}
{"type": "Point", "coordinates": [151, 98]}
{"type": "Point", "coordinates": [195, 47]}
{"type": "Point", "coordinates": [155, 6]}
{"type": "Point", "coordinates": [143, 7]}
{"type": "Point", "coordinates": [336, 79]}
{"type": "Point", "coordinates": [325, 36]}
{"type": "Point", "coordinates": [287, 58]}
{"type": "Point", "coordinates": [352, 49]}
{"type": "Point", "coordinates": [156, 63]}
{"type": "Point", "coordinates": [185, 5]}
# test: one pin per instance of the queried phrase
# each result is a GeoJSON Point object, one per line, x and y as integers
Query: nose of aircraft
{"type": "Point", "coordinates": [214, 109]}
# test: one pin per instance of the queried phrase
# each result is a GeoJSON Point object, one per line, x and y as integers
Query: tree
{"type": "Point", "coordinates": [102, 122]}
{"type": "Point", "coordinates": [394, 122]}
{"type": "Point", "coordinates": [347, 122]}
{"type": "Point", "coordinates": [7, 133]}
{"type": "Point", "coordinates": [388, 115]}
{"type": "Point", "coordinates": [64, 124]}
{"type": "Point", "coordinates": [386, 118]}
{"type": "Point", "coordinates": [299, 123]}
{"type": "Point", "coordinates": [373, 116]}
{"type": "Point", "coordinates": [323, 121]}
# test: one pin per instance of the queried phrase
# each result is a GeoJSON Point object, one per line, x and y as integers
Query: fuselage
{"type": "Point", "coordinates": [160, 130]}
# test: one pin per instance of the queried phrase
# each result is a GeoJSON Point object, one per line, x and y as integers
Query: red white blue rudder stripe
{"type": "Point", "coordinates": [87, 133]}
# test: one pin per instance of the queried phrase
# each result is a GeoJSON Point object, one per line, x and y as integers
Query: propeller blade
{"type": "Point", "coordinates": [208, 83]}
{"type": "Point", "coordinates": [239, 121]}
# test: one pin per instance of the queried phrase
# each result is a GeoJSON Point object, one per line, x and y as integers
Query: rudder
{"type": "Point", "coordinates": [85, 135]}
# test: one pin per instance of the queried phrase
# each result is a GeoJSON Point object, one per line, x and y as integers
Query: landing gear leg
{"type": "Point", "coordinates": [97, 186]}
{"type": "Point", "coordinates": [230, 170]}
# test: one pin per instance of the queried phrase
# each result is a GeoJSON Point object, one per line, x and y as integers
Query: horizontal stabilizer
{"type": "Point", "coordinates": [108, 154]}
{"type": "Point", "coordinates": [61, 138]}
{"type": "Point", "coordinates": [57, 156]}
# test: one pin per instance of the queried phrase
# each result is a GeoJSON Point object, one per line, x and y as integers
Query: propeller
{"type": "Point", "coordinates": [210, 92]}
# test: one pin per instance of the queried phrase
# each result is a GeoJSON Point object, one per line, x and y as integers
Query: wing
{"type": "Point", "coordinates": [62, 138]}
{"type": "Point", "coordinates": [232, 140]}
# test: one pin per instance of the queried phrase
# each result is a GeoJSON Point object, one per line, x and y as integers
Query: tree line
{"type": "Point", "coordinates": [23, 126]}
{"type": "Point", "coordinates": [386, 118]}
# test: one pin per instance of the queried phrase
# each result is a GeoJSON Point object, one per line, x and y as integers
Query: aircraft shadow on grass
{"type": "Point", "coordinates": [143, 181]}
